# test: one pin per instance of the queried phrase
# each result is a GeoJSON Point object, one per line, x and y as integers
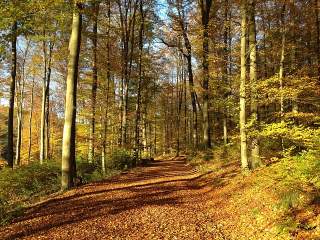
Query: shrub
{"type": "Point", "coordinates": [120, 159]}
{"type": "Point", "coordinates": [25, 184]}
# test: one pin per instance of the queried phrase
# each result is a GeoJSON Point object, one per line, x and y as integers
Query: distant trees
{"type": "Point", "coordinates": [174, 78]}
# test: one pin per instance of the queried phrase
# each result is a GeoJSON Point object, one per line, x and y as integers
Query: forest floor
{"type": "Point", "coordinates": [167, 199]}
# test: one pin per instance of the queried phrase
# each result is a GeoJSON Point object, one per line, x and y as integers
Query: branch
{"type": "Point", "coordinates": [173, 45]}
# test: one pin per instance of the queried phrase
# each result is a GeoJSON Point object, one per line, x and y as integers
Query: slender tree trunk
{"type": "Point", "coordinates": [281, 68]}
{"type": "Point", "coordinates": [21, 84]}
{"type": "Point", "coordinates": [282, 57]}
{"type": "Point", "coordinates": [255, 148]}
{"type": "Point", "coordinates": [179, 86]}
{"type": "Point", "coordinates": [140, 83]}
{"type": "Point", "coordinates": [43, 103]}
{"type": "Point", "coordinates": [94, 84]}
{"type": "Point", "coordinates": [317, 25]}
{"type": "Point", "coordinates": [47, 109]}
{"type": "Point", "coordinates": [30, 119]}
{"type": "Point", "coordinates": [10, 146]}
{"type": "Point", "coordinates": [243, 134]}
{"type": "Point", "coordinates": [68, 147]}
{"type": "Point", "coordinates": [226, 69]}
{"type": "Point", "coordinates": [205, 6]}
{"type": "Point", "coordinates": [188, 56]}
{"type": "Point", "coordinates": [105, 117]}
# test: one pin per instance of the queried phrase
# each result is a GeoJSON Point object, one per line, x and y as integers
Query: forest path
{"type": "Point", "coordinates": [163, 200]}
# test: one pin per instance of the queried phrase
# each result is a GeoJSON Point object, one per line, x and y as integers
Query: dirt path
{"type": "Point", "coordinates": [164, 200]}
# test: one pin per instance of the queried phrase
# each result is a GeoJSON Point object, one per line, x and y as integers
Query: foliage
{"type": "Point", "coordinates": [120, 159]}
{"type": "Point", "coordinates": [26, 184]}
{"type": "Point", "coordinates": [297, 135]}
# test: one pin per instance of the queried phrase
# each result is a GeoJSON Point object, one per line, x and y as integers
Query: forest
{"type": "Point", "coordinates": [160, 119]}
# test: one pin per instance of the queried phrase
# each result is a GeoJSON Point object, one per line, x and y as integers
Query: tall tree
{"type": "Point", "coordinates": [205, 6]}
{"type": "Point", "coordinates": [255, 148]}
{"type": "Point", "coordinates": [94, 81]}
{"type": "Point", "coordinates": [20, 99]}
{"type": "Point", "coordinates": [10, 152]}
{"type": "Point", "coordinates": [68, 145]}
{"type": "Point", "coordinates": [243, 41]}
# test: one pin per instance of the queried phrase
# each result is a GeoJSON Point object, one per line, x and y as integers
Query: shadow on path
{"type": "Point", "coordinates": [162, 183]}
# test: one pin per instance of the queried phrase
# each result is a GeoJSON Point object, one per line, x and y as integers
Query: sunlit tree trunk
{"type": "Point", "coordinates": [10, 146]}
{"type": "Point", "coordinates": [226, 73]}
{"type": "Point", "coordinates": [30, 119]}
{"type": "Point", "coordinates": [282, 57]}
{"type": "Point", "coordinates": [243, 134]}
{"type": "Point", "coordinates": [255, 148]}
{"type": "Point", "coordinates": [21, 85]}
{"type": "Point", "coordinates": [68, 145]}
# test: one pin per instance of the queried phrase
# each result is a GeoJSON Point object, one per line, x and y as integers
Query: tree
{"type": "Point", "coordinates": [255, 148]}
{"type": "Point", "coordinates": [10, 153]}
{"type": "Point", "coordinates": [243, 134]}
{"type": "Point", "coordinates": [69, 130]}
{"type": "Point", "coordinates": [94, 81]}
{"type": "Point", "coordinates": [205, 6]}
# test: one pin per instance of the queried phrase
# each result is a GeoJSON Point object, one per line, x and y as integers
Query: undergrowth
{"type": "Point", "coordinates": [29, 183]}
{"type": "Point", "coordinates": [292, 185]}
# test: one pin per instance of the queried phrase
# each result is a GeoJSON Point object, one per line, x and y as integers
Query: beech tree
{"type": "Point", "coordinates": [69, 129]}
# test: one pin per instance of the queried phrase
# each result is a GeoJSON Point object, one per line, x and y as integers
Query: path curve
{"type": "Point", "coordinates": [163, 200]}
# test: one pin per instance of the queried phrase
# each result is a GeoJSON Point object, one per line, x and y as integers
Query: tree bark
{"type": "Point", "coordinates": [243, 134]}
{"type": "Point", "coordinates": [30, 119]}
{"type": "Point", "coordinates": [94, 84]}
{"type": "Point", "coordinates": [188, 56]}
{"type": "Point", "coordinates": [10, 146]}
{"type": "Point", "coordinates": [317, 25]}
{"type": "Point", "coordinates": [68, 147]}
{"type": "Point", "coordinates": [140, 82]}
{"type": "Point", "coordinates": [105, 117]}
{"type": "Point", "coordinates": [43, 103]}
{"type": "Point", "coordinates": [226, 69]}
{"type": "Point", "coordinates": [47, 111]}
{"type": "Point", "coordinates": [282, 57]}
{"type": "Point", "coordinates": [205, 6]}
{"type": "Point", "coordinates": [255, 147]}
{"type": "Point", "coordinates": [20, 99]}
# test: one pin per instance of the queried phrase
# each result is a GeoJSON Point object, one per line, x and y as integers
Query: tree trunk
{"type": "Point", "coordinates": [281, 68]}
{"type": "Point", "coordinates": [205, 6]}
{"type": "Point", "coordinates": [68, 147]}
{"type": "Point", "coordinates": [243, 134]}
{"type": "Point", "coordinates": [47, 111]}
{"type": "Point", "coordinates": [226, 69]}
{"type": "Point", "coordinates": [105, 117]}
{"type": "Point", "coordinates": [138, 104]}
{"type": "Point", "coordinates": [43, 103]}
{"type": "Point", "coordinates": [30, 119]}
{"type": "Point", "coordinates": [94, 83]}
{"type": "Point", "coordinates": [188, 56]}
{"type": "Point", "coordinates": [21, 84]}
{"type": "Point", "coordinates": [10, 151]}
{"type": "Point", "coordinates": [317, 25]}
{"type": "Point", "coordinates": [255, 148]}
